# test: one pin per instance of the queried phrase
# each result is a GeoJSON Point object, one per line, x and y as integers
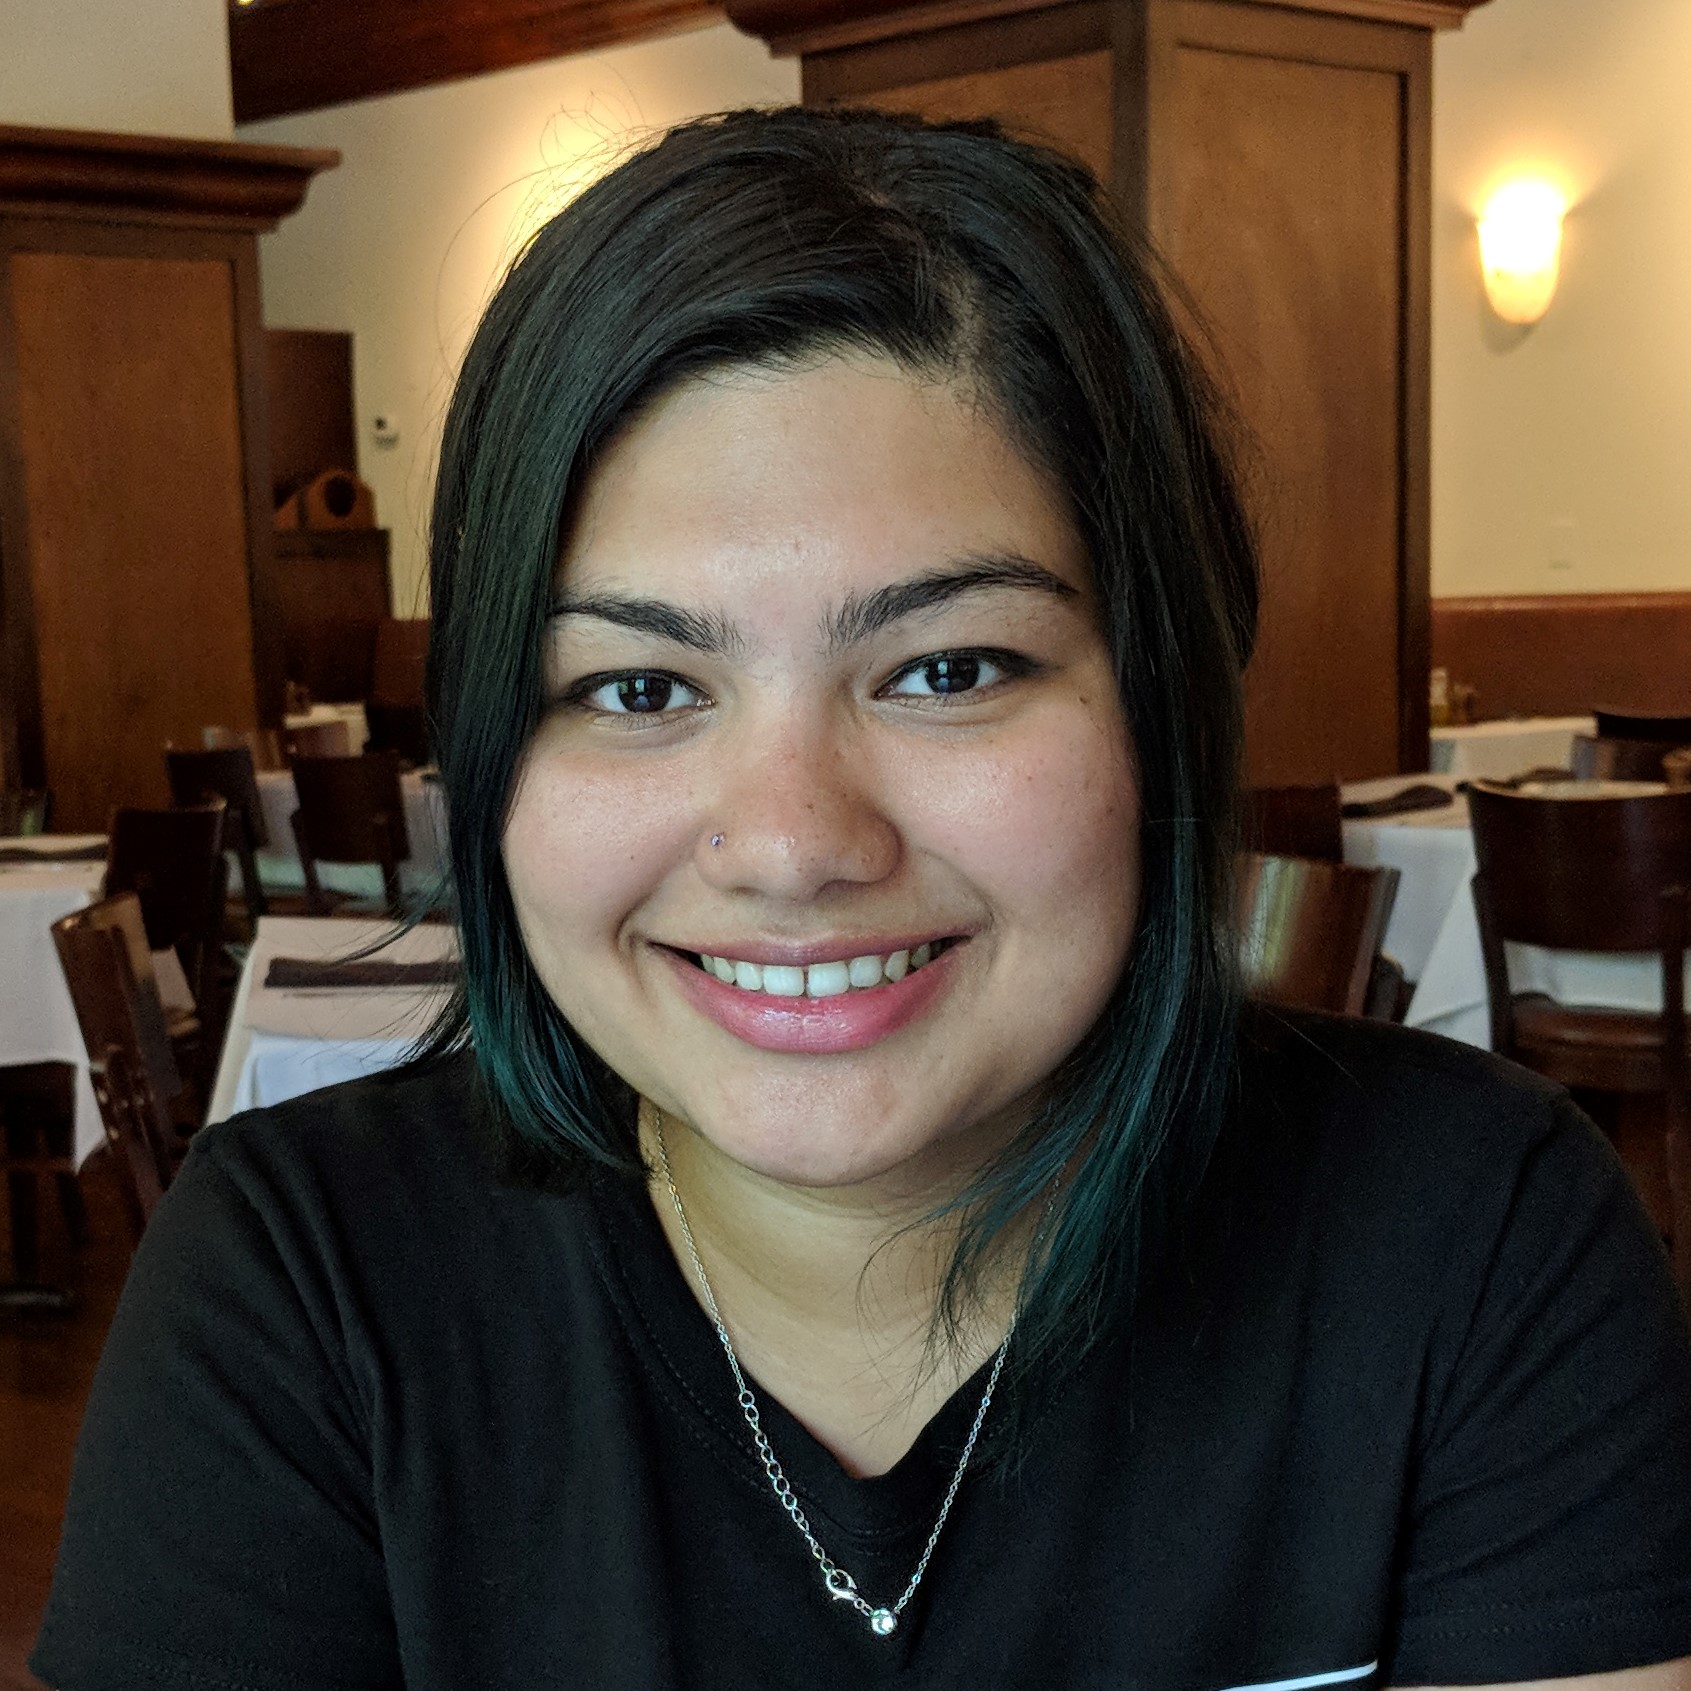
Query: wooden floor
{"type": "Point", "coordinates": [46, 1367]}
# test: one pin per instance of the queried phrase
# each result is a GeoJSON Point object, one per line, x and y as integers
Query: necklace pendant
{"type": "Point", "coordinates": [883, 1623]}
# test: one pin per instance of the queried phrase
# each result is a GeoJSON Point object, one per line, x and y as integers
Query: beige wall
{"type": "Point", "coordinates": [146, 67]}
{"type": "Point", "coordinates": [1568, 441]}
{"type": "Point", "coordinates": [403, 244]}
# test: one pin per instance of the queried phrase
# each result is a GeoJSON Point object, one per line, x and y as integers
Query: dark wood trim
{"type": "Point", "coordinates": [232, 183]}
{"type": "Point", "coordinates": [1415, 580]}
{"type": "Point", "coordinates": [263, 594]}
{"type": "Point", "coordinates": [307, 54]}
{"type": "Point", "coordinates": [988, 44]}
{"type": "Point", "coordinates": [813, 26]}
{"type": "Point", "coordinates": [1277, 32]}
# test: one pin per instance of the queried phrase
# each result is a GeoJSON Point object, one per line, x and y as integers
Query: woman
{"type": "Point", "coordinates": [845, 1233]}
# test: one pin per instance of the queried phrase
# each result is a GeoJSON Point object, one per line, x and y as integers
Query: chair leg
{"type": "Point", "coordinates": [38, 1103]}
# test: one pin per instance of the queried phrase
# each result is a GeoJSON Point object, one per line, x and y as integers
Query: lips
{"type": "Point", "coordinates": [823, 1022]}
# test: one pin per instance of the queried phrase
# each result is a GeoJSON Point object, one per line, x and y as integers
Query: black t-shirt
{"type": "Point", "coordinates": [1408, 1400]}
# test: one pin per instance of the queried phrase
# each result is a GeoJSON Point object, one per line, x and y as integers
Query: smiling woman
{"type": "Point", "coordinates": [848, 1228]}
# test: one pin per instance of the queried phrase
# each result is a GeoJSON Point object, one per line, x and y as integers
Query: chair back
{"type": "Point", "coordinates": [25, 810]}
{"type": "Point", "coordinates": [1311, 931]}
{"type": "Point", "coordinates": [1578, 874]}
{"type": "Point", "coordinates": [400, 728]}
{"type": "Point", "coordinates": [226, 772]}
{"type": "Point", "coordinates": [1295, 822]}
{"type": "Point", "coordinates": [1643, 725]}
{"type": "Point", "coordinates": [1601, 758]}
{"type": "Point", "coordinates": [265, 744]}
{"type": "Point", "coordinates": [103, 952]}
{"type": "Point", "coordinates": [351, 810]}
{"type": "Point", "coordinates": [316, 739]}
{"type": "Point", "coordinates": [172, 860]}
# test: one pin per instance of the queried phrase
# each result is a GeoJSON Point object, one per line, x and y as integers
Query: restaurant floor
{"type": "Point", "coordinates": [46, 1367]}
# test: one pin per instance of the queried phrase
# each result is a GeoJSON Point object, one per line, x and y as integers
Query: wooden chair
{"type": "Point", "coordinates": [1311, 931]}
{"type": "Point", "coordinates": [398, 728]}
{"type": "Point", "coordinates": [1609, 758]}
{"type": "Point", "coordinates": [351, 810]}
{"type": "Point", "coordinates": [1643, 725]}
{"type": "Point", "coordinates": [316, 739]}
{"type": "Point", "coordinates": [25, 810]}
{"type": "Point", "coordinates": [173, 861]}
{"type": "Point", "coordinates": [265, 744]}
{"type": "Point", "coordinates": [37, 1129]}
{"type": "Point", "coordinates": [1295, 822]}
{"type": "Point", "coordinates": [1606, 875]}
{"type": "Point", "coordinates": [101, 950]}
{"type": "Point", "coordinates": [225, 773]}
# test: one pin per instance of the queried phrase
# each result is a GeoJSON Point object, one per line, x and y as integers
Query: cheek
{"type": "Point", "coordinates": [1048, 824]}
{"type": "Point", "coordinates": [583, 848]}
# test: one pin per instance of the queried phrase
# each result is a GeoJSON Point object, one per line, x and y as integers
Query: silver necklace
{"type": "Point", "coordinates": [883, 1621]}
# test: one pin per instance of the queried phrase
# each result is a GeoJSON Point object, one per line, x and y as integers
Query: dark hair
{"type": "Point", "coordinates": [758, 237]}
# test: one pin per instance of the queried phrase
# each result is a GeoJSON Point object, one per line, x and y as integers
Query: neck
{"type": "Point", "coordinates": [828, 1295]}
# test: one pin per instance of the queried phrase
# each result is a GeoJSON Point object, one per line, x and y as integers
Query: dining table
{"type": "Point", "coordinates": [1499, 751]}
{"type": "Point", "coordinates": [44, 877]}
{"type": "Point", "coordinates": [1434, 931]}
{"type": "Point", "coordinates": [326, 999]}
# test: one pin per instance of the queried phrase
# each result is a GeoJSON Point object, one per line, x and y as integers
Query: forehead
{"type": "Point", "coordinates": [762, 488]}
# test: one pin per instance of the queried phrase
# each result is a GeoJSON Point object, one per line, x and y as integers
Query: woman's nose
{"type": "Point", "coordinates": [803, 812]}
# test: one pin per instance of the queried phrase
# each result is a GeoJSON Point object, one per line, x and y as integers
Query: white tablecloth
{"type": "Point", "coordinates": [288, 1041]}
{"type": "Point", "coordinates": [425, 829]}
{"type": "Point", "coordinates": [353, 715]}
{"type": "Point", "coordinates": [1495, 751]}
{"type": "Point", "coordinates": [37, 1019]}
{"type": "Point", "coordinates": [1435, 934]}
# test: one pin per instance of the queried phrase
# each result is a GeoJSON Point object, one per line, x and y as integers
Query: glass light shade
{"type": "Point", "coordinates": [1521, 249]}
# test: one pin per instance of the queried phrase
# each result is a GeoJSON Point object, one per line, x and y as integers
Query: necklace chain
{"type": "Point", "coordinates": [883, 1621]}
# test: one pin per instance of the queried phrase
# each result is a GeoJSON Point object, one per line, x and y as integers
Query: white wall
{"type": "Point", "coordinates": [1585, 418]}
{"type": "Point", "coordinates": [145, 67]}
{"type": "Point", "coordinates": [436, 192]}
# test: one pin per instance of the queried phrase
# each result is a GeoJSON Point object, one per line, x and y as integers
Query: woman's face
{"type": "Point", "coordinates": [827, 696]}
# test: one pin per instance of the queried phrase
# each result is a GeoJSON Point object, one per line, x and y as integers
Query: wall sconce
{"type": "Point", "coordinates": [1521, 249]}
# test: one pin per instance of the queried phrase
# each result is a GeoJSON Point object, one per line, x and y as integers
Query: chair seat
{"type": "Point", "coordinates": [1589, 1045]}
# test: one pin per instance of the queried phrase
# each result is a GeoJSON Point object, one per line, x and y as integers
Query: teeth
{"type": "Point", "coordinates": [819, 980]}
{"type": "Point", "coordinates": [827, 980]}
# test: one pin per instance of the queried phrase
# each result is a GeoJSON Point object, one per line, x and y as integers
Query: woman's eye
{"type": "Point", "coordinates": [948, 673]}
{"type": "Point", "coordinates": [642, 692]}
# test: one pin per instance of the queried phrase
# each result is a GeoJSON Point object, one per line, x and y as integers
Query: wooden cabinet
{"type": "Point", "coordinates": [1279, 157]}
{"type": "Point", "coordinates": [137, 593]}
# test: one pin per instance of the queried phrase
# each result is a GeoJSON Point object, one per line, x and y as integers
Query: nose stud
{"type": "Point", "coordinates": [716, 840]}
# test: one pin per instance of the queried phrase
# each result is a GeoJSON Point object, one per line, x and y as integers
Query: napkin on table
{"type": "Point", "coordinates": [359, 973]}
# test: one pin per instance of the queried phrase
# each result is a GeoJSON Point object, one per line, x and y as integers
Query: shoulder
{"type": "Point", "coordinates": [1374, 1104]}
{"type": "Point", "coordinates": [1420, 1175]}
{"type": "Point", "coordinates": [411, 1130]}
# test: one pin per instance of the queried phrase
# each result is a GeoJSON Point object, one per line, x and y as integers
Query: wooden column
{"type": "Point", "coordinates": [1279, 156]}
{"type": "Point", "coordinates": [137, 593]}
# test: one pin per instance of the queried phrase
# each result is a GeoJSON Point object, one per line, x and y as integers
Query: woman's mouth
{"type": "Point", "coordinates": [832, 979]}
{"type": "Point", "coordinates": [828, 1007]}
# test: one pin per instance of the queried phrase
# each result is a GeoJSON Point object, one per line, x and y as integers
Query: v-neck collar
{"type": "Point", "coordinates": [675, 1337]}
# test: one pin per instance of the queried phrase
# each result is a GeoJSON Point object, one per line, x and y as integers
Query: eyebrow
{"type": "Point", "coordinates": [858, 618]}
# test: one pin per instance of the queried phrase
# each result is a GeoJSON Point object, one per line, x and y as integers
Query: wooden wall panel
{"type": "Point", "coordinates": [1563, 654]}
{"type": "Point", "coordinates": [310, 391]}
{"type": "Point", "coordinates": [131, 450]}
{"type": "Point", "coordinates": [1277, 190]}
{"type": "Point", "coordinates": [1064, 101]}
